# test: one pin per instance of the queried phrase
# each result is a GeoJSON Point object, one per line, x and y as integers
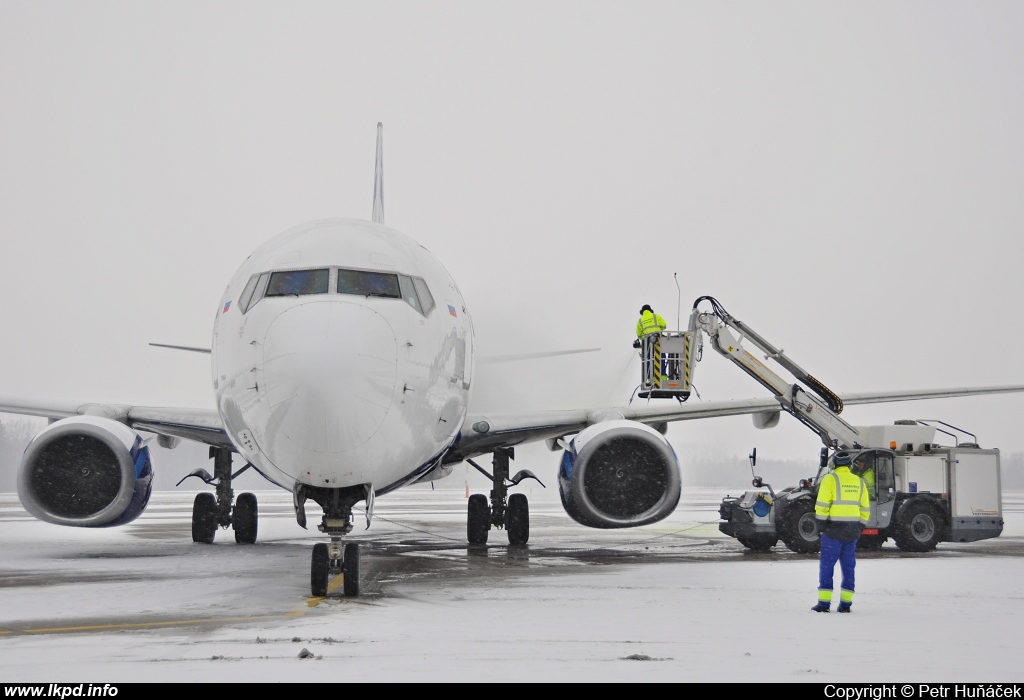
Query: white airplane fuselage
{"type": "Point", "coordinates": [334, 388]}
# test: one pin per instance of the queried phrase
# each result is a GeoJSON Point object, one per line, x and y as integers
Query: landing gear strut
{"type": "Point", "coordinates": [509, 512]}
{"type": "Point", "coordinates": [337, 557]}
{"type": "Point", "coordinates": [210, 512]}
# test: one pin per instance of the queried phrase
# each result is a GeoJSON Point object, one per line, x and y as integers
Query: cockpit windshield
{"type": "Point", "coordinates": [297, 282]}
{"type": "Point", "coordinates": [369, 284]}
{"type": "Point", "coordinates": [364, 283]}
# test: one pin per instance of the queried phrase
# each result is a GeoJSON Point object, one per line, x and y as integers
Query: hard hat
{"type": "Point", "coordinates": [646, 307]}
{"type": "Point", "coordinates": [841, 460]}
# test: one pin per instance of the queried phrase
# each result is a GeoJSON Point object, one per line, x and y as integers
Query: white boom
{"type": "Point", "coordinates": [819, 413]}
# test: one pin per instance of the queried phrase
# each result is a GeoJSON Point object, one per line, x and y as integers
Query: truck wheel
{"type": "Point", "coordinates": [799, 528]}
{"type": "Point", "coordinates": [758, 542]}
{"type": "Point", "coordinates": [919, 528]}
{"type": "Point", "coordinates": [869, 543]}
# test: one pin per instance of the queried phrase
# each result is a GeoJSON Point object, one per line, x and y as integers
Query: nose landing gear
{"type": "Point", "coordinates": [503, 511]}
{"type": "Point", "coordinates": [337, 557]}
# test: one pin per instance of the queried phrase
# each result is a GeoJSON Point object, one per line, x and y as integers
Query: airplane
{"type": "Point", "coordinates": [342, 366]}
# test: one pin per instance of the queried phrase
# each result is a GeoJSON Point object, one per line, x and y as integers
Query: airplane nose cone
{"type": "Point", "coordinates": [330, 369]}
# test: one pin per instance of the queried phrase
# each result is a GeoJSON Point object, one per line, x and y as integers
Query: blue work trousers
{"type": "Point", "coordinates": [831, 552]}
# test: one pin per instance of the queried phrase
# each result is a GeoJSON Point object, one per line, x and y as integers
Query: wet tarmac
{"type": "Point", "coordinates": [55, 579]}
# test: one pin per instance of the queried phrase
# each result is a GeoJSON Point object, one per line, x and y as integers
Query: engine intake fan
{"type": "Point", "coordinates": [619, 473]}
{"type": "Point", "coordinates": [85, 471]}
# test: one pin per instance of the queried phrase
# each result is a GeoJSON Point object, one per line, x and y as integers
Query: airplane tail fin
{"type": "Point", "coordinates": [378, 178]}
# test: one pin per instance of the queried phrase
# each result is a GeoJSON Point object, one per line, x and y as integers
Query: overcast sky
{"type": "Point", "coordinates": [844, 177]}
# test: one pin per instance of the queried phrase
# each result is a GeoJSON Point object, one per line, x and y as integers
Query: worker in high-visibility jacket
{"type": "Point", "coordinates": [650, 357]}
{"type": "Point", "coordinates": [842, 509]}
{"type": "Point", "coordinates": [862, 468]}
{"type": "Point", "coordinates": [649, 322]}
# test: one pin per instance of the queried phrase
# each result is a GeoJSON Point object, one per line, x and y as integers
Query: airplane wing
{"type": "Point", "coordinates": [485, 433]}
{"type": "Point", "coordinates": [199, 424]}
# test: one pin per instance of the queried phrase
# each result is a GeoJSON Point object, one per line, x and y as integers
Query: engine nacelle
{"type": "Point", "coordinates": [86, 471]}
{"type": "Point", "coordinates": [619, 473]}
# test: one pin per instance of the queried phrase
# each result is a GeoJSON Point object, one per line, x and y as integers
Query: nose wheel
{"type": "Point", "coordinates": [334, 559]}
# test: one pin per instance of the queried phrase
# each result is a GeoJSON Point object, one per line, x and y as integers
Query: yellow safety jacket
{"type": "Point", "coordinates": [649, 322]}
{"type": "Point", "coordinates": [843, 502]}
{"type": "Point", "coordinates": [869, 479]}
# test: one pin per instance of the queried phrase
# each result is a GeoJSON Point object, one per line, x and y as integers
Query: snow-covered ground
{"type": "Point", "coordinates": [142, 603]}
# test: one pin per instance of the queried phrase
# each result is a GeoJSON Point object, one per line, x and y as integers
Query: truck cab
{"type": "Point", "coordinates": [922, 493]}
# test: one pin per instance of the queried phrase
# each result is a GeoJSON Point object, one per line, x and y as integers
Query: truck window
{"type": "Point", "coordinates": [298, 282]}
{"type": "Point", "coordinates": [885, 483]}
{"type": "Point", "coordinates": [877, 473]}
{"type": "Point", "coordinates": [369, 284]}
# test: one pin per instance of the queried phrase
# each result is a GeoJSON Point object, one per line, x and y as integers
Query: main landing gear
{"type": "Point", "coordinates": [210, 512]}
{"type": "Point", "coordinates": [337, 557]}
{"type": "Point", "coordinates": [503, 511]}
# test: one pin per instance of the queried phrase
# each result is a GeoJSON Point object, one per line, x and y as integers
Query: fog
{"type": "Point", "coordinates": [844, 178]}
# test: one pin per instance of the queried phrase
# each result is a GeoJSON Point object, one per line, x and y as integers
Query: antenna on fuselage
{"type": "Point", "coordinates": [378, 178]}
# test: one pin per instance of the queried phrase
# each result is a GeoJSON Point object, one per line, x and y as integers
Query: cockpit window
{"type": "Point", "coordinates": [365, 283]}
{"type": "Point", "coordinates": [426, 300]}
{"type": "Point", "coordinates": [298, 282]}
{"type": "Point", "coordinates": [369, 284]}
{"type": "Point", "coordinates": [409, 293]}
{"type": "Point", "coordinates": [246, 296]}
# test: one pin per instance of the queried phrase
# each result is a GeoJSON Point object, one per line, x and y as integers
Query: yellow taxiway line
{"type": "Point", "coordinates": [144, 625]}
{"type": "Point", "coordinates": [311, 602]}
{"type": "Point", "coordinates": [314, 601]}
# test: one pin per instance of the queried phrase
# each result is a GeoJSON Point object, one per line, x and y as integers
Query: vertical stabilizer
{"type": "Point", "coordinates": [378, 178]}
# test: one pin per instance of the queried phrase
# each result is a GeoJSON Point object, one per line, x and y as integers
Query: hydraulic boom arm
{"type": "Point", "coordinates": [818, 411]}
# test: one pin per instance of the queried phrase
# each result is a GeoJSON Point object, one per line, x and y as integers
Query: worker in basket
{"type": "Point", "coordinates": [649, 322]}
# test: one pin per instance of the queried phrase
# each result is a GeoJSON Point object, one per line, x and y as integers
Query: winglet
{"type": "Point", "coordinates": [378, 178]}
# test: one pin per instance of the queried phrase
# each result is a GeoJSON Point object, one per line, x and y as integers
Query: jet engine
{"type": "Point", "coordinates": [619, 473]}
{"type": "Point", "coordinates": [85, 471]}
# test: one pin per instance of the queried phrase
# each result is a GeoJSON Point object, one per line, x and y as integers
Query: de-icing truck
{"type": "Point", "coordinates": [923, 492]}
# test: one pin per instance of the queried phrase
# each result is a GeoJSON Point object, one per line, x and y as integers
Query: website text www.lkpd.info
{"type": "Point", "coordinates": [61, 690]}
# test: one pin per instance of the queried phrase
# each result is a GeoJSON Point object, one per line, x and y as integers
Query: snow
{"type": "Point", "coordinates": [145, 604]}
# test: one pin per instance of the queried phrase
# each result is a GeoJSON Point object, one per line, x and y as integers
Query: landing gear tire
{"type": "Point", "coordinates": [350, 569]}
{"type": "Point", "coordinates": [204, 518]}
{"type": "Point", "coordinates": [319, 570]}
{"type": "Point", "coordinates": [517, 519]}
{"type": "Point", "coordinates": [799, 528]}
{"type": "Point", "coordinates": [244, 518]}
{"type": "Point", "coordinates": [758, 542]}
{"type": "Point", "coordinates": [870, 543]}
{"type": "Point", "coordinates": [920, 527]}
{"type": "Point", "coordinates": [478, 521]}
